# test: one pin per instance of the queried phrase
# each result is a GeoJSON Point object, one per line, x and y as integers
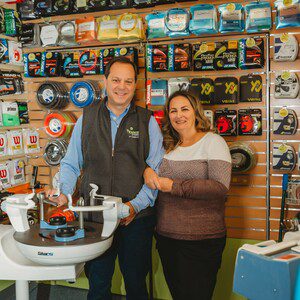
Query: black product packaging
{"type": "Point", "coordinates": [203, 56]}
{"type": "Point", "coordinates": [115, 4]}
{"type": "Point", "coordinates": [106, 55]}
{"type": "Point", "coordinates": [89, 62]}
{"type": "Point", "coordinates": [23, 112]}
{"type": "Point", "coordinates": [97, 5]}
{"type": "Point", "coordinates": [250, 88]}
{"type": "Point", "coordinates": [42, 8]}
{"type": "Point", "coordinates": [179, 57]}
{"type": "Point", "coordinates": [226, 55]}
{"type": "Point", "coordinates": [143, 3]}
{"type": "Point", "coordinates": [225, 122]}
{"type": "Point", "coordinates": [27, 35]}
{"type": "Point", "coordinates": [157, 58]}
{"type": "Point", "coordinates": [249, 122]}
{"type": "Point", "coordinates": [203, 90]}
{"type": "Point", "coordinates": [130, 52]}
{"type": "Point", "coordinates": [51, 64]}
{"type": "Point", "coordinates": [251, 53]}
{"type": "Point", "coordinates": [26, 10]}
{"type": "Point", "coordinates": [79, 6]}
{"type": "Point", "coordinates": [226, 90]}
{"type": "Point", "coordinates": [70, 66]}
{"type": "Point", "coordinates": [32, 64]}
{"type": "Point", "coordinates": [60, 7]}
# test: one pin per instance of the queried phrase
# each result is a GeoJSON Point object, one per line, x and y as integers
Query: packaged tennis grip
{"type": "Point", "coordinates": [156, 25]}
{"type": "Point", "coordinates": [106, 55]}
{"type": "Point", "coordinates": [89, 62]}
{"type": "Point", "coordinates": [204, 19]}
{"type": "Point", "coordinates": [32, 64]}
{"type": "Point", "coordinates": [251, 53]}
{"type": "Point", "coordinates": [258, 16]}
{"type": "Point", "coordinates": [250, 88]}
{"type": "Point", "coordinates": [203, 89]}
{"type": "Point", "coordinates": [226, 55]}
{"type": "Point", "coordinates": [231, 17]}
{"type": "Point", "coordinates": [286, 85]}
{"type": "Point", "coordinates": [51, 64]}
{"type": "Point", "coordinates": [285, 47]}
{"type": "Point", "coordinates": [249, 122]}
{"type": "Point", "coordinates": [70, 66]}
{"type": "Point", "coordinates": [179, 57]}
{"type": "Point", "coordinates": [225, 122]}
{"type": "Point", "coordinates": [177, 22]}
{"type": "Point", "coordinates": [284, 157]}
{"type": "Point", "coordinates": [226, 90]}
{"type": "Point", "coordinates": [287, 13]}
{"type": "Point", "coordinates": [157, 92]}
{"type": "Point", "coordinates": [157, 58]}
{"type": "Point", "coordinates": [178, 84]}
{"type": "Point", "coordinates": [285, 121]}
{"type": "Point", "coordinates": [203, 56]}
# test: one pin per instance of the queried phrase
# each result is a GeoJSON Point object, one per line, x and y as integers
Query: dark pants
{"type": "Point", "coordinates": [132, 244]}
{"type": "Point", "coordinates": [190, 267]}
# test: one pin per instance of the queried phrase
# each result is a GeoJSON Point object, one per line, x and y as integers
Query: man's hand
{"type": "Point", "coordinates": [165, 184]}
{"type": "Point", "coordinates": [132, 213]}
{"type": "Point", "coordinates": [60, 200]}
{"type": "Point", "coordinates": [151, 179]}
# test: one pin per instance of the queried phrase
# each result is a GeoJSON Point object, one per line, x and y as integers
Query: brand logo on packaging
{"type": "Point", "coordinates": [17, 140]}
{"type": "Point", "coordinates": [33, 139]}
{"type": "Point", "coordinates": [256, 86]}
{"type": "Point", "coordinates": [3, 173]}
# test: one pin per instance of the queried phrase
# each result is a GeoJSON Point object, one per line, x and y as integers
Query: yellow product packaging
{"type": "Point", "coordinates": [107, 28]}
{"type": "Point", "coordinates": [131, 27]}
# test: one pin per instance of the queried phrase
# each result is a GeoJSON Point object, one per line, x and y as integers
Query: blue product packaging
{"type": "Point", "coordinates": [4, 58]}
{"type": "Point", "coordinates": [204, 19]}
{"type": "Point", "coordinates": [177, 22]}
{"type": "Point", "coordinates": [231, 18]}
{"type": "Point", "coordinates": [258, 16]}
{"type": "Point", "coordinates": [157, 92]}
{"type": "Point", "coordinates": [156, 25]}
{"type": "Point", "coordinates": [287, 14]}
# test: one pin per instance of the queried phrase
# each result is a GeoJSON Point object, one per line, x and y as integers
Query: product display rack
{"type": "Point", "coordinates": [252, 207]}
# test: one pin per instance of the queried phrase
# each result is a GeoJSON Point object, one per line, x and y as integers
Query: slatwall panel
{"type": "Point", "coordinates": [37, 113]}
{"type": "Point", "coordinates": [293, 140]}
{"type": "Point", "coordinates": [11, 98]}
{"type": "Point", "coordinates": [247, 205]}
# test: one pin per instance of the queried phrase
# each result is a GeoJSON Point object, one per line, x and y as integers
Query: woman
{"type": "Point", "coordinates": [193, 181]}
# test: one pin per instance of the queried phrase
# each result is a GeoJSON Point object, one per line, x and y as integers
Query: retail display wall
{"type": "Point", "coordinates": [253, 204]}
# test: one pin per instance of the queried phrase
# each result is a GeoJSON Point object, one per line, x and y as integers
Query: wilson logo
{"type": "Point", "coordinates": [33, 139]}
{"type": "Point", "coordinates": [3, 173]}
{"type": "Point", "coordinates": [17, 140]}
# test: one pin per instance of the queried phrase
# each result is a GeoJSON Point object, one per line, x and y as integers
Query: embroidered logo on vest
{"type": "Point", "coordinates": [132, 133]}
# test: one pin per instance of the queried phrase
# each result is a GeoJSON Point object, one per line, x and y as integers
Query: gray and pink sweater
{"type": "Point", "coordinates": [194, 209]}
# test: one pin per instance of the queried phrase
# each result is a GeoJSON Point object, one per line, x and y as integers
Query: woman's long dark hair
{"type": "Point", "coordinates": [171, 136]}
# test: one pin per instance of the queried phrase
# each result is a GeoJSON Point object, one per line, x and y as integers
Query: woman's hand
{"type": "Point", "coordinates": [151, 179]}
{"type": "Point", "coordinates": [165, 184]}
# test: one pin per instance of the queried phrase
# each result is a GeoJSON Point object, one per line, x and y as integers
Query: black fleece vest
{"type": "Point", "coordinates": [118, 172]}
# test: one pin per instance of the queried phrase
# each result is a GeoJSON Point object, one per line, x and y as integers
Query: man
{"type": "Point", "coordinates": [112, 143]}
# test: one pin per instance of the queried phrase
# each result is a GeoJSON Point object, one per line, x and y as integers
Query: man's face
{"type": "Point", "coordinates": [120, 85]}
